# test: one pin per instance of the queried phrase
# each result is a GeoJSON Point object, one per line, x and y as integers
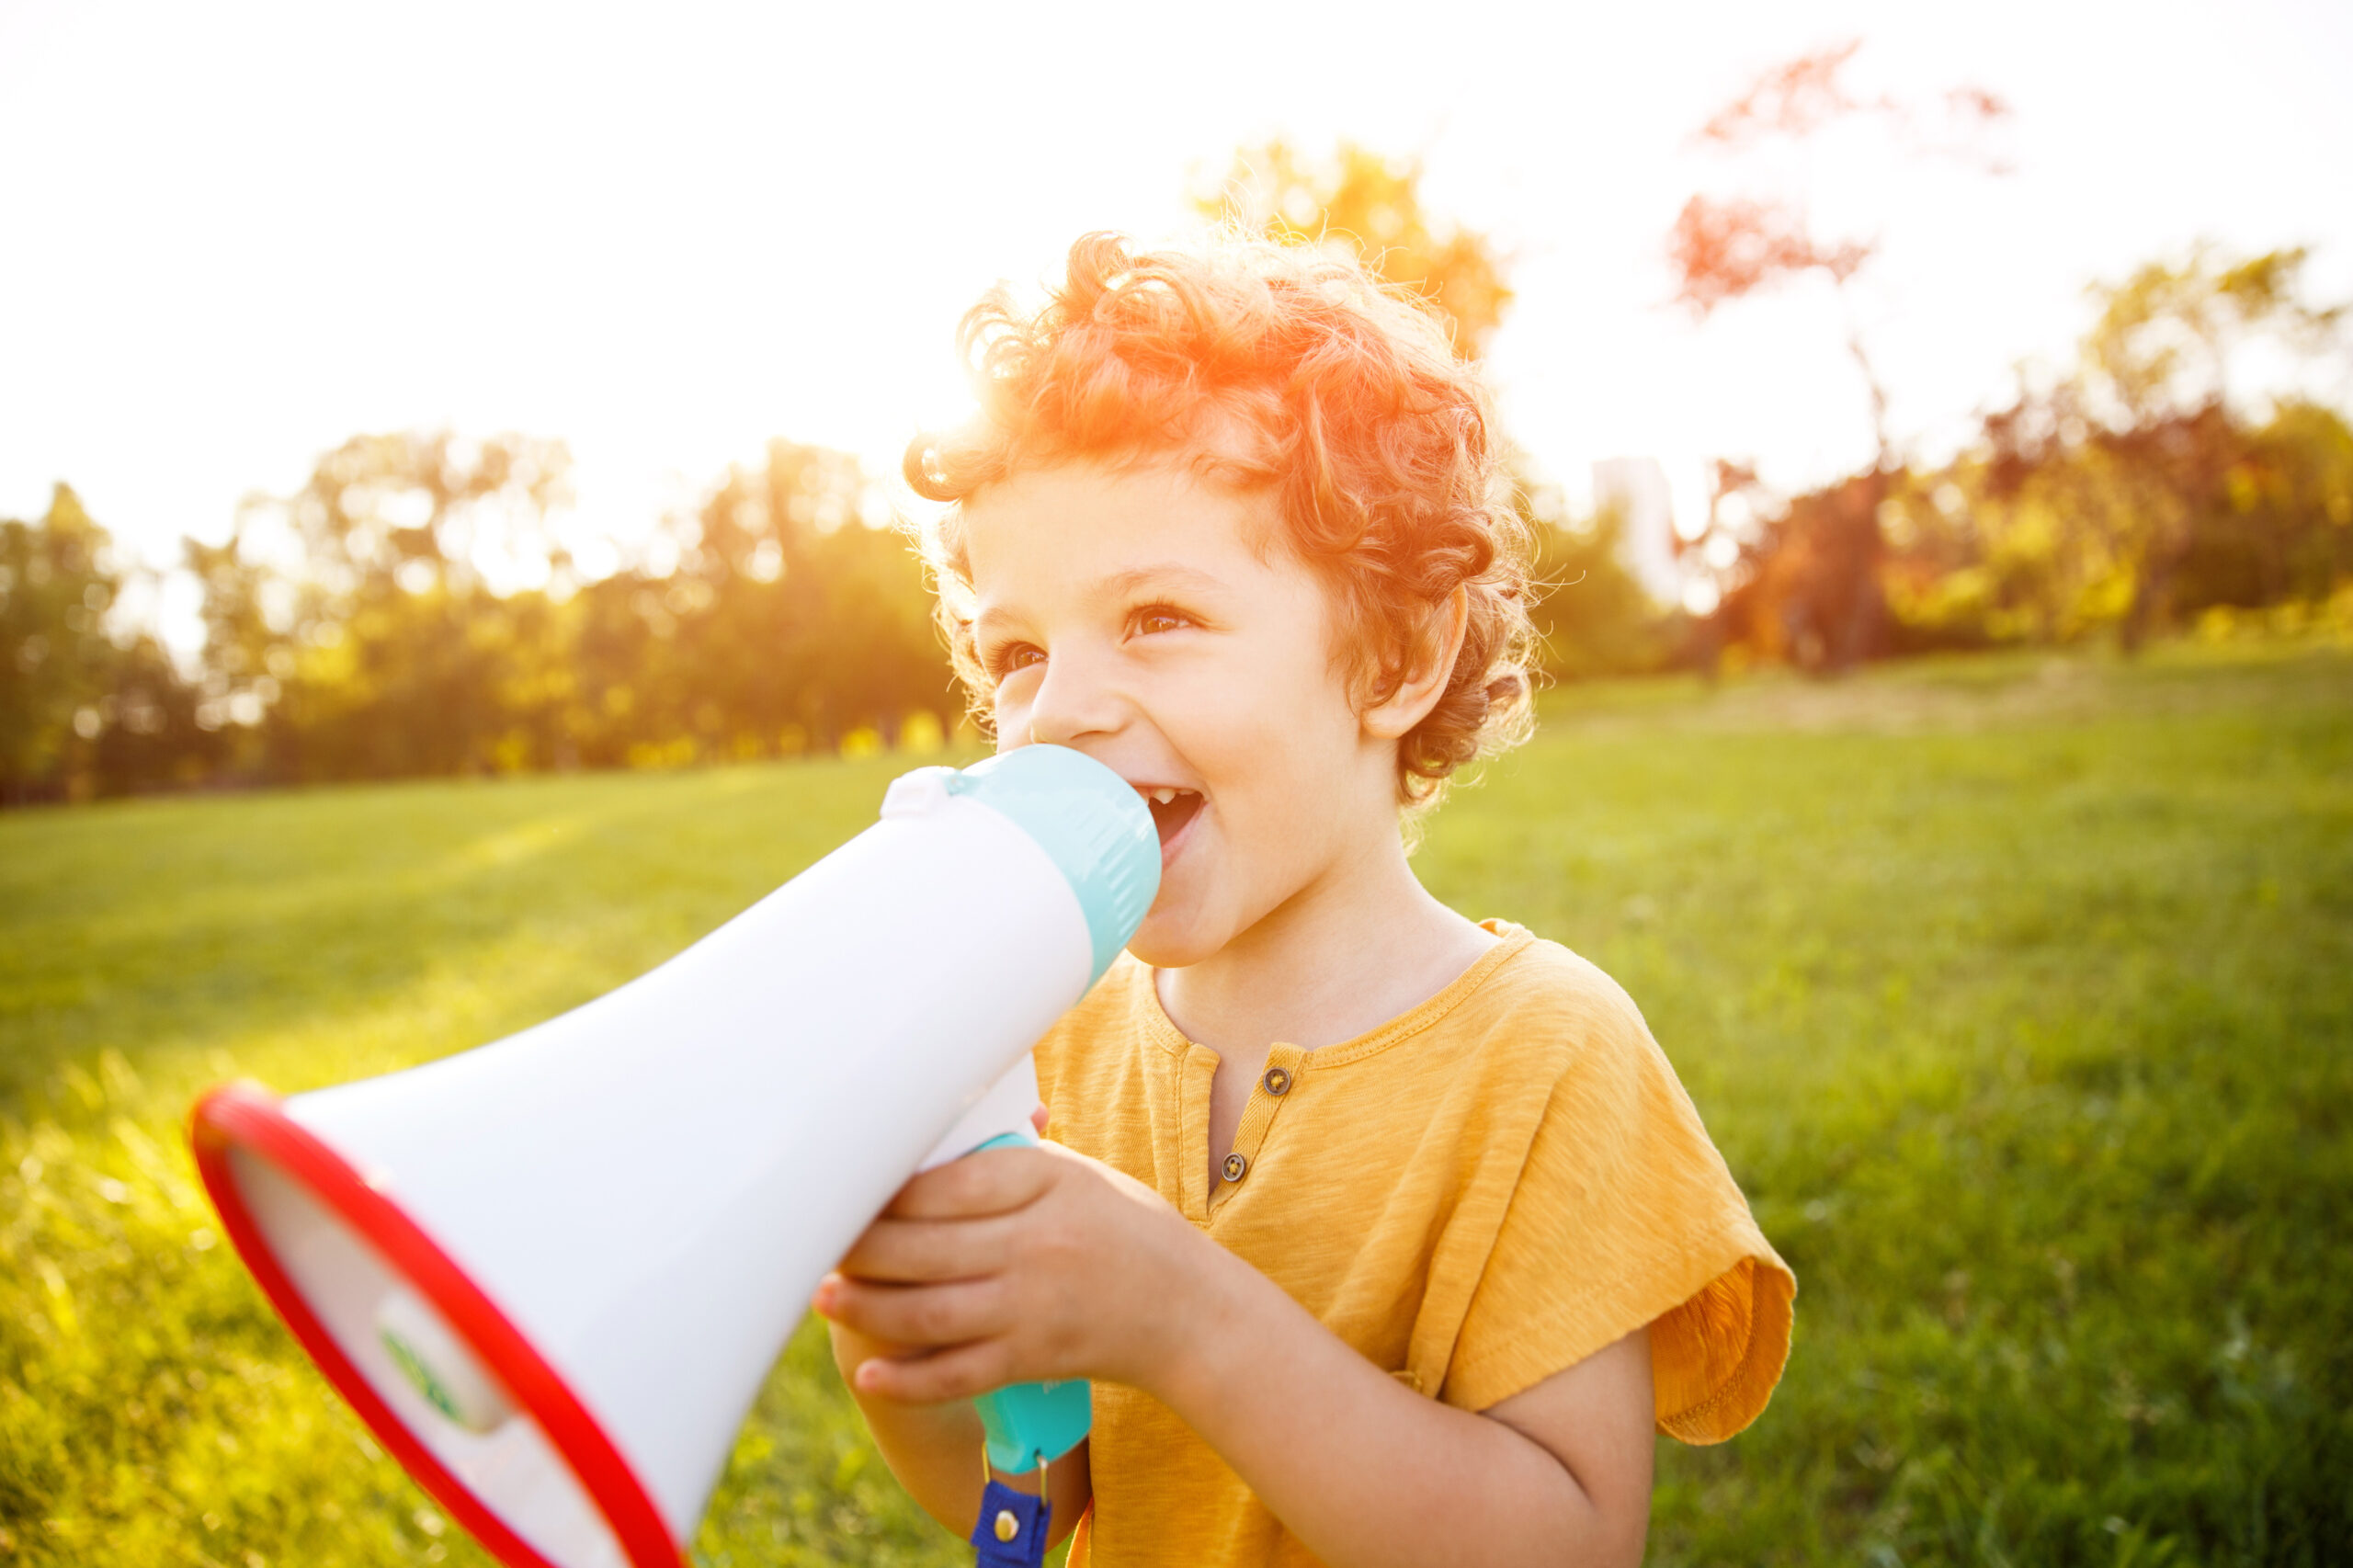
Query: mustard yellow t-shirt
{"type": "Point", "coordinates": [1474, 1195]}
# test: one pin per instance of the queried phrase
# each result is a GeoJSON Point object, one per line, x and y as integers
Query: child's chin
{"type": "Point", "coordinates": [1171, 944]}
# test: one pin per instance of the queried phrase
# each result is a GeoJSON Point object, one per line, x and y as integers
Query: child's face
{"type": "Point", "coordinates": [1129, 614]}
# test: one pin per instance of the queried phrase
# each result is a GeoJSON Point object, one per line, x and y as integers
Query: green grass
{"type": "Point", "coordinates": [2019, 993]}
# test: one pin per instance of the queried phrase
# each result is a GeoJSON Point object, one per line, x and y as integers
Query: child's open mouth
{"type": "Point", "coordinates": [1172, 809]}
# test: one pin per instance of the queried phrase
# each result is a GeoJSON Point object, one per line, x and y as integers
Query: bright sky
{"type": "Point", "coordinates": [232, 235]}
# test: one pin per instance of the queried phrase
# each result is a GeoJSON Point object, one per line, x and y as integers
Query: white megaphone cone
{"type": "Point", "coordinates": [552, 1272]}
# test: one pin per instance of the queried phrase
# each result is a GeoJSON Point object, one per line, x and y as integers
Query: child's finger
{"type": "Point", "coordinates": [923, 1250]}
{"type": "Point", "coordinates": [994, 1181]}
{"type": "Point", "coordinates": [959, 1371]}
{"type": "Point", "coordinates": [924, 1315]}
{"type": "Point", "coordinates": [1038, 1119]}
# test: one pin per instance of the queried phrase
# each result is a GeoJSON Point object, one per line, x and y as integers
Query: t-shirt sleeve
{"type": "Point", "coordinates": [1624, 1214]}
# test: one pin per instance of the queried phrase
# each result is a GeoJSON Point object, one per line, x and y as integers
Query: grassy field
{"type": "Point", "coordinates": [2018, 992]}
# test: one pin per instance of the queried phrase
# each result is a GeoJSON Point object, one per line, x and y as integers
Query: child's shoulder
{"type": "Point", "coordinates": [1544, 1013]}
{"type": "Point", "coordinates": [1538, 981]}
{"type": "Point", "coordinates": [1621, 1212]}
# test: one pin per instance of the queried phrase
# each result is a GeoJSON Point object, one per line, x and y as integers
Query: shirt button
{"type": "Point", "coordinates": [1236, 1167]}
{"type": "Point", "coordinates": [1277, 1081]}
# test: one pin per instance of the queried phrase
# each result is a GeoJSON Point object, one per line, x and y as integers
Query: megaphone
{"type": "Point", "coordinates": [552, 1272]}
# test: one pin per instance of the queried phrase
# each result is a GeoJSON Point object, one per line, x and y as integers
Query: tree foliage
{"type": "Point", "coordinates": [1368, 207]}
{"type": "Point", "coordinates": [86, 707]}
{"type": "Point", "coordinates": [775, 618]}
{"type": "Point", "coordinates": [791, 619]}
{"type": "Point", "coordinates": [2140, 490]}
{"type": "Point", "coordinates": [56, 583]}
{"type": "Point", "coordinates": [1724, 248]}
{"type": "Point", "coordinates": [2167, 337]}
{"type": "Point", "coordinates": [1808, 586]}
{"type": "Point", "coordinates": [357, 617]}
{"type": "Point", "coordinates": [360, 627]}
{"type": "Point", "coordinates": [1593, 617]}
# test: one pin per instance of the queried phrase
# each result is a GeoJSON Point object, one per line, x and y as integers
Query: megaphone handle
{"type": "Point", "coordinates": [1028, 1425]}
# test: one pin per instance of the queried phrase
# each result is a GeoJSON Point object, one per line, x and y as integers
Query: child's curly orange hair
{"type": "Point", "coordinates": [1280, 367]}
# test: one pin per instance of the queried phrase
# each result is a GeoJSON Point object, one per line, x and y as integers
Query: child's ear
{"type": "Point", "coordinates": [1431, 666]}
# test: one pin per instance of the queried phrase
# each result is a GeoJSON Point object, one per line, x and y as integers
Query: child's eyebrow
{"type": "Point", "coordinates": [1163, 577]}
{"type": "Point", "coordinates": [1168, 574]}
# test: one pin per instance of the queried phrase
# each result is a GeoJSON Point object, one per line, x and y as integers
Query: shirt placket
{"type": "Point", "coordinates": [1279, 1081]}
{"type": "Point", "coordinates": [1196, 1073]}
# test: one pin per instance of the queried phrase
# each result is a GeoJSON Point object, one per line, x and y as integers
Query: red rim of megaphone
{"type": "Point", "coordinates": [247, 1116]}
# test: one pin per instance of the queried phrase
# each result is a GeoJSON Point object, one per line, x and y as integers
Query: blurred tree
{"type": "Point", "coordinates": [1727, 248]}
{"type": "Point", "coordinates": [149, 734]}
{"type": "Point", "coordinates": [790, 620]}
{"type": "Point", "coordinates": [2155, 374]}
{"type": "Point", "coordinates": [1592, 615]}
{"type": "Point", "coordinates": [1804, 584]}
{"type": "Point", "coordinates": [2168, 338]}
{"type": "Point", "coordinates": [355, 631]}
{"type": "Point", "coordinates": [2147, 483]}
{"type": "Point", "coordinates": [353, 623]}
{"type": "Point", "coordinates": [85, 709]}
{"type": "Point", "coordinates": [415, 511]}
{"type": "Point", "coordinates": [1368, 207]}
{"type": "Point", "coordinates": [1595, 617]}
{"type": "Point", "coordinates": [58, 576]}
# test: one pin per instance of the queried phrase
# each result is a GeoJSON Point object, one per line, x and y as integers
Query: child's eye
{"type": "Point", "coordinates": [1153, 618]}
{"type": "Point", "coordinates": [1003, 662]}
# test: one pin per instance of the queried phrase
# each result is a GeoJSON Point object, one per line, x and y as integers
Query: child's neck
{"type": "Point", "coordinates": [1354, 948]}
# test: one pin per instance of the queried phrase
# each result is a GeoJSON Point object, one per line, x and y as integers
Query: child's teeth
{"type": "Point", "coordinates": [1164, 796]}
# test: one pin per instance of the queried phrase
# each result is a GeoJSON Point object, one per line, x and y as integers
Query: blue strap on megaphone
{"type": "Point", "coordinates": [1012, 1526]}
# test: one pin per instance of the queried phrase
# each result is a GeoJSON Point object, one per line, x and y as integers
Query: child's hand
{"type": "Point", "coordinates": [1016, 1266]}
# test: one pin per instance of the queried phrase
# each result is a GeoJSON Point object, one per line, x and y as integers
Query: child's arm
{"type": "Point", "coordinates": [1026, 1264]}
{"type": "Point", "coordinates": [934, 1450]}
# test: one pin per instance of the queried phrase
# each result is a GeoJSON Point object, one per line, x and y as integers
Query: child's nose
{"type": "Point", "coordinates": [1075, 699]}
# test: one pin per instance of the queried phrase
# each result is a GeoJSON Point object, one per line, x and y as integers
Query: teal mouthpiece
{"type": "Point", "coordinates": [1091, 822]}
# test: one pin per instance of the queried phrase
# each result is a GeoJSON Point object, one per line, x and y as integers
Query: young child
{"type": "Point", "coordinates": [1386, 1236]}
